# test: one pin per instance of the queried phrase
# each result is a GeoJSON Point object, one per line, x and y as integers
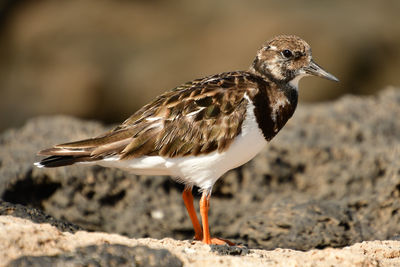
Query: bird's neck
{"type": "Point", "coordinates": [275, 103]}
{"type": "Point", "coordinates": [288, 85]}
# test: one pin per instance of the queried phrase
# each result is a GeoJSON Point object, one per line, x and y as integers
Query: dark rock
{"type": "Point", "coordinates": [36, 216]}
{"type": "Point", "coordinates": [230, 250]}
{"type": "Point", "coordinates": [302, 226]}
{"type": "Point", "coordinates": [331, 177]}
{"type": "Point", "coordinates": [104, 255]}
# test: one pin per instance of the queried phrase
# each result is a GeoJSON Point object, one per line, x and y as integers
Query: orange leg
{"type": "Point", "coordinates": [188, 200]}
{"type": "Point", "coordinates": [204, 207]}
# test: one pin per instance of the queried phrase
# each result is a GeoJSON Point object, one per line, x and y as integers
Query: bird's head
{"type": "Point", "coordinates": [287, 58]}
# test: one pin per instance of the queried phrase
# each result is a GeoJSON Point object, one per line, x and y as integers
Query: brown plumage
{"type": "Point", "coordinates": [195, 118]}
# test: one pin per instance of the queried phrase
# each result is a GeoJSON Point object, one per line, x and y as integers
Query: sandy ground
{"type": "Point", "coordinates": [20, 237]}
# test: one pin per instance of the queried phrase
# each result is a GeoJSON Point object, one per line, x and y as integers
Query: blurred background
{"type": "Point", "coordinates": [103, 60]}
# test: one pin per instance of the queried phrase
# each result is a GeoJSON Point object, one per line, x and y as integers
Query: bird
{"type": "Point", "coordinates": [201, 129]}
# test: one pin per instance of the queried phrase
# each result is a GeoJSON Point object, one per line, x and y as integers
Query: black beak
{"type": "Point", "coordinates": [315, 69]}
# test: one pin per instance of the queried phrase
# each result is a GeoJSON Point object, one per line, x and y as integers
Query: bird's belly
{"type": "Point", "coordinates": [153, 165]}
{"type": "Point", "coordinates": [204, 170]}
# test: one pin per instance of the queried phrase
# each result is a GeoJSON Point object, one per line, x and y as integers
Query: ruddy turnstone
{"type": "Point", "coordinates": [201, 129]}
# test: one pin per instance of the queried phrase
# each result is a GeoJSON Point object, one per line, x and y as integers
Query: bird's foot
{"type": "Point", "coordinates": [219, 241]}
{"type": "Point", "coordinates": [214, 241]}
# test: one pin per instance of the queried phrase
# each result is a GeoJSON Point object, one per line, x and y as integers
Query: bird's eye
{"type": "Point", "coordinates": [287, 53]}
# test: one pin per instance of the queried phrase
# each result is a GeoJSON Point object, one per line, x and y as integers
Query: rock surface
{"type": "Point", "coordinates": [47, 246]}
{"type": "Point", "coordinates": [331, 178]}
{"type": "Point", "coordinates": [103, 255]}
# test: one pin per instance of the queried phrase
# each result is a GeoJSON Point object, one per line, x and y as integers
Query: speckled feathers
{"type": "Point", "coordinates": [272, 64]}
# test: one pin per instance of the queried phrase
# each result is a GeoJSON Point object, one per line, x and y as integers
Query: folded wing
{"type": "Point", "coordinates": [198, 117]}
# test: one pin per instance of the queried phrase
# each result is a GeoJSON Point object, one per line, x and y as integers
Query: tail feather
{"type": "Point", "coordinates": [58, 161]}
{"type": "Point", "coordinates": [59, 156]}
{"type": "Point", "coordinates": [86, 150]}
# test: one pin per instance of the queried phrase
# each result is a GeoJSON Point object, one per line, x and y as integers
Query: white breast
{"type": "Point", "coordinates": [202, 170]}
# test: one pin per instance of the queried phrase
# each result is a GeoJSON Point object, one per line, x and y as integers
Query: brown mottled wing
{"type": "Point", "coordinates": [195, 118]}
{"type": "Point", "coordinates": [198, 117]}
